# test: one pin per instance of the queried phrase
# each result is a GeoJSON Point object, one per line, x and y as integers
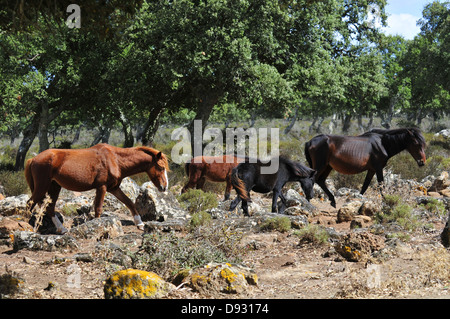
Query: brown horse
{"type": "Point", "coordinates": [213, 168]}
{"type": "Point", "coordinates": [101, 167]}
{"type": "Point", "coordinates": [367, 152]}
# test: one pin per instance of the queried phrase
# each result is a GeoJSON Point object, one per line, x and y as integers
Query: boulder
{"type": "Point", "coordinates": [33, 241]}
{"type": "Point", "coordinates": [369, 208]}
{"type": "Point", "coordinates": [8, 226]}
{"type": "Point", "coordinates": [348, 211]}
{"type": "Point", "coordinates": [444, 133]}
{"type": "Point", "coordinates": [136, 284]}
{"type": "Point", "coordinates": [98, 228]}
{"type": "Point", "coordinates": [217, 278]}
{"type": "Point", "coordinates": [440, 183]}
{"type": "Point", "coordinates": [297, 205]}
{"type": "Point", "coordinates": [13, 205]}
{"type": "Point", "coordinates": [152, 204]}
{"type": "Point", "coordinates": [360, 221]}
{"type": "Point", "coordinates": [175, 224]}
{"type": "Point", "coordinates": [224, 208]}
{"type": "Point", "coordinates": [359, 245]}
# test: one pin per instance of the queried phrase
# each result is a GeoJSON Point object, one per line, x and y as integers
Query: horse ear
{"type": "Point", "coordinates": [158, 156]}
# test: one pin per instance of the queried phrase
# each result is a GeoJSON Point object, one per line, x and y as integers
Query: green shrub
{"type": "Point", "coordinates": [200, 219]}
{"type": "Point", "coordinates": [14, 183]}
{"type": "Point", "coordinates": [196, 200]}
{"type": "Point", "coordinates": [167, 253]}
{"type": "Point", "coordinates": [435, 207]}
{"type": "Point", "coordinates": [281, 224]}
{"type": "Point", "coordinates": [395, 211]}
{"type": "Point", "coordinates": [313, 234]}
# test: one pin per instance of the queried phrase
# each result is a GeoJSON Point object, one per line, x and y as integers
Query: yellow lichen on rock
{"type": "Point", "coordinates": [136, 284]}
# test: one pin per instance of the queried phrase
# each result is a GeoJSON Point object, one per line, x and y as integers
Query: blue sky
{"type": "Point", "coordinates": [403, 15]}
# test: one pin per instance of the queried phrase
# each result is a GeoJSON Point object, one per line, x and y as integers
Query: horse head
{"type": "Point", "coordinates": [157, 172]}
{"type": "Point", "coordinates": [416, 146]}
{"type": "Point", "coordinates": [307, 183]}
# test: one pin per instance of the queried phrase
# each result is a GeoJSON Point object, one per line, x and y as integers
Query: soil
{"type": "Point", "coordinates": [285, 268]}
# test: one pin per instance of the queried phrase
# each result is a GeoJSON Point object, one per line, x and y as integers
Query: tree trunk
{"type": "Point", "coordinates": [102, 135]}
{"type": "Point", "coordinates": [126, 127]}
{"type": "Point", "coordinates": [44, 122]}
{"type": "Point", "coordinates": [151, 126]}
{"type": "Point", "coordinates": [29, 134]}
{"type": "Point", "coordinates": [205, 107]}
{"type": "Point", "coordinates": [293, 120]}
{"type": "Point", "coordinates": [346, 122]}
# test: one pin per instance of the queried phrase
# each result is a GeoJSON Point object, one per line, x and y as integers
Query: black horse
{"type": "Point", "coordinates": [249, 176]}
{"type": "Point", "coordinates": [367, 152]}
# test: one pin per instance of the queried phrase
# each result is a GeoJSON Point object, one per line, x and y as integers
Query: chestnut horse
{"type": "Point", "coordinates": [367, 152]}
{"type": "Point", "coordinates": [101, 167]}
{"type": "Point", "coordinates": [212, 168]}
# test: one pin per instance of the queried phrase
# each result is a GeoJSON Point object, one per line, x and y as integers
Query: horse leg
{"type": "Point", "coordinates": [321, 182]}
{"type": "Point", "coordinates": [380, 180]}
{"type": "Point", "coordinates": [369, 176]}
{"type": "Point", "coordinates": [228, 187]}
{"type": "Point", "coordinates": [276, 193]}
{"type": "Point", "coordinates": [245, 208]}
{"type": "Point", "coordinates": [201, 182]}
{"type": "Point", "coordinates": [283, 202]}
{"type": "Point", "coordinates": [234, 203]}
{"type": "Point", "coordinates": [53, 192]}
{"type": "Point", "coordinates": [124, 199]}
{"type": "Point", "coordinates": [98, 201]}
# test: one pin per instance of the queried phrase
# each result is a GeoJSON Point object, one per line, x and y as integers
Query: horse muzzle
{"type": "Point", "coordinates": [420, 162]}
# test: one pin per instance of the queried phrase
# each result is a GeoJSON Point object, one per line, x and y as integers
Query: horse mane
{"type": "Point", "coordinates": [296, 168]}
{"type": "Point", "coordinates": [396, 139]}
{"type": "Point", "coordinates": [153, 152]}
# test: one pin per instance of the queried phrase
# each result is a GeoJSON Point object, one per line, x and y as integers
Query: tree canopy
{"type": "Point", "coordinates": [135, 64]}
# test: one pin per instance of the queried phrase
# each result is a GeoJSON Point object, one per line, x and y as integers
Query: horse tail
{"type": "Point", "coordinates": [239, 185]}
{"type": "Point", "coordinates": [29, 174]}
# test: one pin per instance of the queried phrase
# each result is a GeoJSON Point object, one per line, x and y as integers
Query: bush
{"type": "Point", "coordinates": [200, 219]}
{"type": "Point", "coordinates": [196, 200]}
{"type": "Point", "coordinates": [395, 211]}
{"type": "Point", "coordinates": [167, 253]}
{"type": "Point", "coordinates": [436, 207]}
{"type": "Point", "coordinates": [313, 234]}
{"type": "Point", "coordinates": [14, 183]}
{"type": "Point", "coordinates": [281, 224]}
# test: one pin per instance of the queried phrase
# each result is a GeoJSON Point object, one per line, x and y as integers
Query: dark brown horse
{"type": "Point", "coordinates": [249, 176]}
{"type": "Point", "coordinates": [101, 167]}
{"type": "Point", "coordinates": [367, 152]}
{"type": "Point", "coordinates": [212, 168]}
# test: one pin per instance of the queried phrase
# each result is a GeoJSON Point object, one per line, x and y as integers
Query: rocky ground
{"type": "Point", "coordinates": [361, 259]}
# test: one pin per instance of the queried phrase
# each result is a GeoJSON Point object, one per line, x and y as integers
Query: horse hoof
{"type": "Point", "coordinates": [61, 231]}
{"type": "Point", "coordinates": [140, 227]}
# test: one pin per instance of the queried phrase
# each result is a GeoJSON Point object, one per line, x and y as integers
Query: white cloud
{"type": "Point", "coordinates": [403, 24]}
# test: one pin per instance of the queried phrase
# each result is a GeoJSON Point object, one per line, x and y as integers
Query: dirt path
{"type": "Point", "coordinates": [285, 269]}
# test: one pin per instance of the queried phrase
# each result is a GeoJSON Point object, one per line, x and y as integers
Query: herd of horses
{"type": "Point", "coordinates": [102, 167]}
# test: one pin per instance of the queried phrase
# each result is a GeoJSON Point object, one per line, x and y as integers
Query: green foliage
{"type": "Point", "coordinates": [14, 183]}
{"type": "Point", "coordinates": [436, 207]}
{"type": "Point", "coordinates": [281, 224]}
{"type": "Point", "coordinates": [167, 254]}
{"type": "Point", "coordinates": [395, 211]}
{"type": "Point", "coordinates": [313, 234]}
{"type": "Point", "coordinates": [200, 219]}
{"type": "Point", "coordinates": [196, 200]}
